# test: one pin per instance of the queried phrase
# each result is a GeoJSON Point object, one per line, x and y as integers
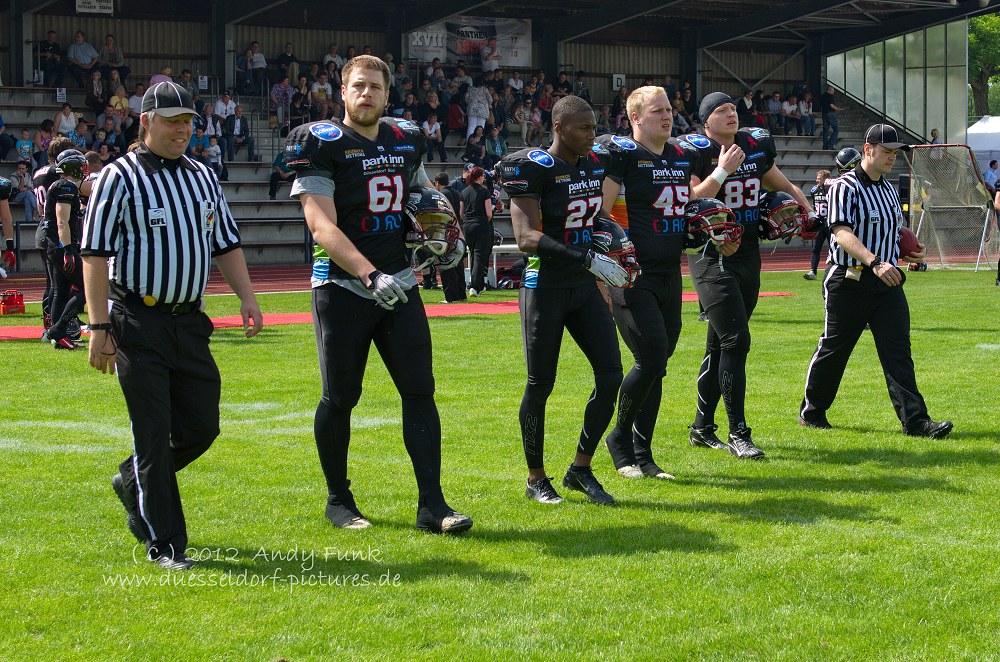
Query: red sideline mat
{"type": "Point", "coordinates": [272, 319]}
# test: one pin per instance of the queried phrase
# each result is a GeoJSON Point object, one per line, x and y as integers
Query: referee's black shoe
{"type": "Point", "coordinates": [131, 507]}
{"type": "Point", "coordinates": [742, 446]}
{"type": "Point", "coordinates": [705, 436]}
{"type": "Point", "coordinates": [582, 479]}
{"type": "Point", "coordinates": [929, 428]}
{"type": "Point", "coordinates": [445, 520]}
{"type": "Point", "coordinates": [343, 512]}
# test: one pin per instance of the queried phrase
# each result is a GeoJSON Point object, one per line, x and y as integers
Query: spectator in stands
{"type": "Point", "coordinates": [42, 138]}
{"type": "Point", "coordinates": [280, 97]}
{"type": "Point", "coordinates": [79, 135]}
{"type": "Point", "coordinates": [461, 77]}
{"type": "Point", "coordinates": [544, 105]}
{"type": "Point", "coordinates": [580, 88]}
{"type": "Point", "coordinates": [829, 109]}
{"type": "Point", "coordinates": [135, 103]}
{"type": "Point", "coordinates": [105, 154]}
{"type": "Point", "coordinates": [676, 102]}
{"type": "Point", "coordinates": [398, 74]}
{"type": "Point", "coordinates": [775, 120]}
{"type": "Point", "coordinates": [516, 83]}
{"type": "Point", "coordinates": [432, 133]}
{"type": "Point", "coordinates": [7, 141]}
{"type": "Point", "coordinates": [625, 125]}
{"type": "Point", "coordinates": [332, 56]}
{"type": "Point", "coordinates": [244, 72]}
{"type": "Point", "coordinates": [490, 55]}
{"type": "Point", "coordinates": [990, 176]}
{"type": "Point", "coordinates": [790, 115]}
{"type": "Point", "coordinates": [507, 100]}
{"type": "Point", "coordinates": [298, 111]}
{"type": "Point", "coordinates": [238, 131]}
{"type": "Point", "coordinates": [744, 109]}
{"type": "Point", "coordinates": [23, 192]}
{"type": "Point", "coordinates": [313, 74]}
{"type": "Point", "coordinates": [680, 126]}
{"type": "Point", "coordinates": [935, 137]}
{"type": "Point", "coordinates": [519, 121]}
{"type": "Point", "coordinates": [690, 112]}
{"type": "Point", "coordinates": [214, 125]}
{"type": "Point", "coordinates": [259, 68]}
{"type": "Point", "coordinates": [668, 86]}
{"type": "Point", "coordinates": [97, 139]}
{"type": "Point", "coordinates": [303, 86]}
{"type": "Point", "coordinates": [225, 106]}
{"type": "Point", "coordinates": [96, 96]}
{"type": "Point", "coordinates": [423, 90]}
{"type": "Point", "coordinates": [477, 107]}
{"type": "Point", "coordinates": [604, 120]}
{"type": "Point", "coordinates": [65, 120]}
{"type": "Point", "coordinates": [191, 86]}
{"type": "Point", "coordinates": [280, 172]}
{"type": "Point", "coordinates": [336, 82]}
{"type": "Point", "coordinates": [213, 154]}
{"type": "Point", "coordinates": [112, 136]}
{"type": "Point", "coordinates": [320, 96]}
{"type": "Point", "coordinates": [497, 83]}
{"type": "Point", "coordinates": [475, 150]}
{"type": "Point", "coordinates": [537, 128]}
{"type": "Point", "coordinates": [429, 69]}
{"type": "Point", "coordinates": [81, 57]}
{"type": "Point", "coordinates": [198, 146]}
{"type": "Point", "coordinates": [496, 148]}
{"type": "Point", "coordinates": [288, 64]}
{"type": "Point", "coordinates": [439, 81]}
{"type": "Point", "coordinates": [51, 60]}
{"type": "Point", "coordinates": [456, 119]}
{"type": "Point", "coordinates": [530, 92]}
{"type": "Point", "coordinates": [806, 113]}
{"type": "Point", "coordinates": [165, 75]}
{"type": "Point", "coordinates": [111, 58]}
{"type": "Point", "coordinates": [433, 105]}
{"type": "Point", "coordinates": [541, 79]}
{"type": "Point", "coordinates": [410, 104]}
{"type": "Point", "coordinates": [351, 53]}
{"type": "Point", "coordinates": [23, 147]}
{"type": "Point", "coordinates": [563, 87]}
{"type": "Point", "coordinates": [618, 103]}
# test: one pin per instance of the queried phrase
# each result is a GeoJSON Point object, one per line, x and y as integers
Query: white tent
{"type": "Point", "coordinates": [984, 140]}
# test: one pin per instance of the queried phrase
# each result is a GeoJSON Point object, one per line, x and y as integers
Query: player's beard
{"type": "Point", "coordinates": [366, 117]}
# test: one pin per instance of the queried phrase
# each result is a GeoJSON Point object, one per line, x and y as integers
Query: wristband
{"type": "Point", "coordinates": [100, 326]}
{"type": "Point", "coordinates": [874, 263]}
{"type": "Point", "coordinates": [719, 175]}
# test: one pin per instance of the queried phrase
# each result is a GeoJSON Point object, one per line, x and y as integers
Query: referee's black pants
{"type": "Point", "coordinates": [850, 305]}
{"type": "Point", "coordinates": [648, 316]}
{"type": "Point", "coordinates": [171, 386]}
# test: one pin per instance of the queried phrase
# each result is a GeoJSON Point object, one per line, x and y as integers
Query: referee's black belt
{"type": "Point", "coordinates": [119, 293]}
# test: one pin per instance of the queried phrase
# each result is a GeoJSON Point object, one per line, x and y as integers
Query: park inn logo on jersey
{"type": "Point", "coordinates": [586, 185]}
{"type": "Point", "coordinates": [382, 161]}
{"type": "Point", "coordinates": [660, 174]}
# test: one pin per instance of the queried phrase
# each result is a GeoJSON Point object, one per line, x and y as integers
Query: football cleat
{"type": "Point", "coordinates": [809, 275]}
{"type": "Point", "coordinates": [449, 521]}
{"type": "Point", "coordinates": [819, 423]}
{"type": "Point", "coordinates": [542, 491]}
{"type": "Point", "coordinates": [343, 512]}
{"type": "Point", "coordinates": [582, 479]}
{"type": "Point", "coordinates": [652, 471]}
{"type": "Point", "coordinates": [742, 446]}
{"type": "Point", "coordinates": [705, 436]}
{"type": "Point", "coordinates": [630, 471]}
{"type": "Point", "coordinates": [131, 507]}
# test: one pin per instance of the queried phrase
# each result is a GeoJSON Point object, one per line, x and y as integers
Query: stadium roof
{"type": "Point", "coordinates": [784, 25]}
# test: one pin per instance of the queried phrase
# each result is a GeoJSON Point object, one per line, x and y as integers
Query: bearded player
{"type": "Point", "coordinates": [655, 171]}
{"type": "Point", "coordinates": [562, 186]}
{"type": "Point", "coordinates": [736, 165]}
{"type": "Point", "coordinates": [353, 180]}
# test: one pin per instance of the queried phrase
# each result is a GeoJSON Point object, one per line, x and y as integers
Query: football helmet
{"type": "Point", "coordinates": [781, 216]}
{"type": "Point", "coordinates": [708, 220]}
{"type": "Point", "coordinates": [6, 189]}
{"type": "Point", "coordinates": [431, 224]}
{"type": "Point", "coordinates": [610, 239]}
{"type": "Point", "coordinates": [848, 159]}
{"type": "Point", "coordinates": [72, 162]}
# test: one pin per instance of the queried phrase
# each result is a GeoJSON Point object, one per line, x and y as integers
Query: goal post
{"type": "Point", "coordinates": [951, 209]}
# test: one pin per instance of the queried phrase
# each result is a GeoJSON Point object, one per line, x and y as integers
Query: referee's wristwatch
{"type": "Point", "coordinates": [874, 263]}
{"type": "Point", "coordinates": [101, 326]}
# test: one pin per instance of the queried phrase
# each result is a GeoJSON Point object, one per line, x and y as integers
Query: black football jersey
{"type": "Point", "coordinates": [820, 203]}
{"type": "Point", "coordinates": [569, 196]}
{"type": "Point", "coordinates": [372, 181]}
{"type": "Point", "coordinates": [742, 190]}
{"type": "Point", "coordinates": [63, 191]}
{"type": "Point", "coordinates": [657, 187]}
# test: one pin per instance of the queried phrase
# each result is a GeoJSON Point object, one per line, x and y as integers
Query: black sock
{"type": "Point", "coordinates": [733, 386]}
{"type": "Point", "coordinates": [332, 428]}
{"type": "Point", "coordinates": [708, 390]}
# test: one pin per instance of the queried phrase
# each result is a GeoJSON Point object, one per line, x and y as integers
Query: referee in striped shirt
{"type": "Point", "coordinates": [162, 217]}
{"type": "Point", "coordinates": [862, 286]}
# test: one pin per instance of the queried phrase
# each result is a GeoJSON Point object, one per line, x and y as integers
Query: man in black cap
{"type": "Point", "coordinates": [863, 287]}
{"type": "Point", "coordinates": [736, 166]}
{"type": "Point", "coordinates": [163, 217]}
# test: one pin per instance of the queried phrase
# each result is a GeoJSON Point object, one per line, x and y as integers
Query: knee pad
{"type": "Point", "coordinates": [538, 391]}
{"type": "Point", "coordinates": [736, 342]}
{"type": "Point", "coordinates": [345, 400]}
{"type": "Point", "coordinates": [607, 382]}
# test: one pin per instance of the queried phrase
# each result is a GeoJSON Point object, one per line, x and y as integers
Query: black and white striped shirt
{"type": "Point", "coordinates": [873, 212]}
{"type": "Point", "coordinates": [161, 223]}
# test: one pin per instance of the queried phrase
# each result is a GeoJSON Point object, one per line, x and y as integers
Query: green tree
{"type": "Point", "coordinates": [984, 58]}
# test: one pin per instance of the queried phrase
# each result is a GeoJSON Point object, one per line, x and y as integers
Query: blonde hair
{"type": "Point", "coordinates": [640, 97]}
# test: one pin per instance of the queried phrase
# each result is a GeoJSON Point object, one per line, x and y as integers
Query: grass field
{"type": "Point", "coordinates": [854, 543]}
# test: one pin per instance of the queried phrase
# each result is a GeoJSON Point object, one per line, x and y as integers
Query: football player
{"type": "Point", "coordinates": [819, 203]}
{"type": "Point", "coordinates": [736, 165]}
{"type": "Point", "coordinates": [353, 180]}
{"type": "Point", "coordinates": [43, 178]}
{"type": "Point", "coordinates": [64, 226]}
{"type": "Point", "coordinates": [655, 171]}
{"type": "Point", "coordinates": [9, 260]}
{"type": "Point", "coordinates": [563, 186]}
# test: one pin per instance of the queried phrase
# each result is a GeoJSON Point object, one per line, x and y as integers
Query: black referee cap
{"type": "Point", "coordinates": [712, 101]}
{"type": "Point", "coordinates": [168, 100]}
{"type": "Point", "coordinates": [885, 135]}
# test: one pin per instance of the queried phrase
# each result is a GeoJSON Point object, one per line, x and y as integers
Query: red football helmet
{"type": "Point", "coordinates": [610, 239]}
{"type": "Point", "coordinates": [709, 220]}
{"type": "Point", "coordinates": [781, 217]}
{"type": "Point", "coordinates": [432, 225]}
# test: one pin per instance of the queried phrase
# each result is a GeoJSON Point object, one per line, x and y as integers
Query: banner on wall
{"type": "Point", "coordinates": [95, 7]}
{"type": "Point", "coordinates": [465, 37]}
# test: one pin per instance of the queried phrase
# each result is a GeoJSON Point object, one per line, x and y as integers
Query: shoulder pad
{"type": "Point", "coordinates": [603, 145]}
{"type": "Point", "coordinates": [520, 170]}
{"type": "Point", "coordinates": [6, 188]}
{"type": "Point", "coordinates": [305, 143]}
{"type": "Point", "coordinates": [682, 147]}
{"type": "Point", "coordinates": [697, 140]}
{"type": "Point", "coordinates": [756, 133]}
{"type": "Point", "coordinates": [406, 126]}
{"type": "Point", "coordinates": [623, 143]}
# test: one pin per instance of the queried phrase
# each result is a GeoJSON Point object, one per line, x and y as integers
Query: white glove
{"type": "Point", "coordinates": [387, 289]}
{"type": "Point", "coordinates": [606, 269]}
{"type": "Point", "coordinates": [454, 257]}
